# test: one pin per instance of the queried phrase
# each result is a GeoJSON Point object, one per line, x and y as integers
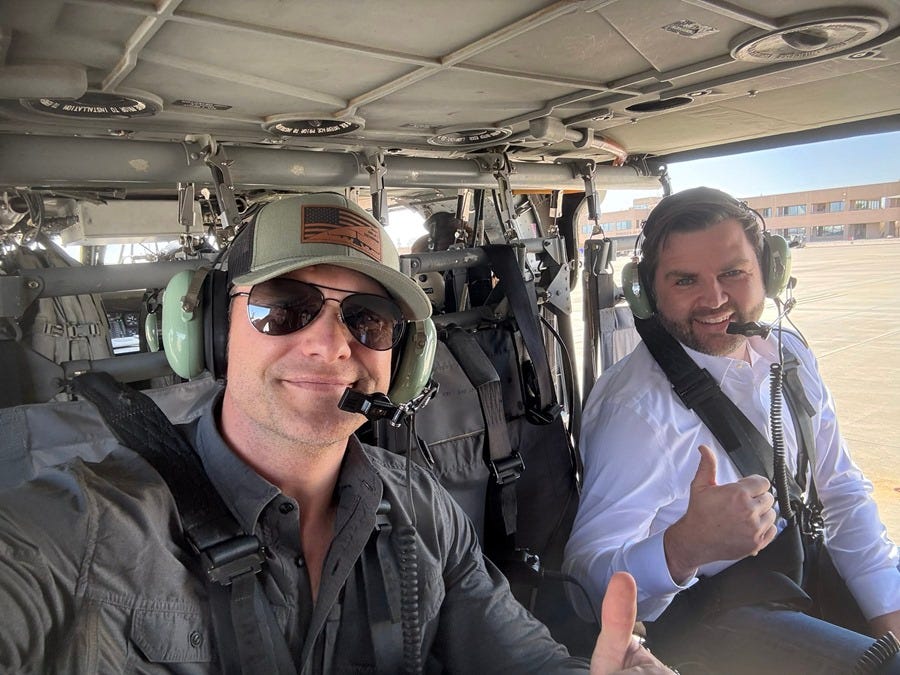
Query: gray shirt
{"type": "Point", "coordinates": [93, 579]}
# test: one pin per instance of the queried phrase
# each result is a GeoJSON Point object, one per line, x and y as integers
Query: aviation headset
{"type": "Point", "coordinates": [196, 303]}
{"type": "Point", "coordinates": [775, 259]}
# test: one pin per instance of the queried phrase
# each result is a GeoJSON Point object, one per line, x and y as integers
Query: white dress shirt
{"type": "Point", "coordinates": [639, 445]}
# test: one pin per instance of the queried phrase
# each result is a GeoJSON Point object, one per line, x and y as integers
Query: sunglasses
{"type": "Point", "coordinates": [282, 306]}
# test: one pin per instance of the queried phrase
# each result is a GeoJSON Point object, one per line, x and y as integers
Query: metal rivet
{"type": "Point", "coordinates": [195, 638]}
{"type": "Point", "coordinates": [286, 507]}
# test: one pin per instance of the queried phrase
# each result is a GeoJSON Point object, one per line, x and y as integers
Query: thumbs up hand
{"type": "Point", "coordinates": [722, 522]}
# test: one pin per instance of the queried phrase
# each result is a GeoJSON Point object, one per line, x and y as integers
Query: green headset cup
{"type": "Point", "coordinates": [151, 332]}
{"type": "Point", "coordinates": [182, 332]}
{"type": "Point", "coordinates": [634, 292]}
{"type": "Point", "coordinates": [416, 361]}
{"type": "Point", "coordinates": [777, 259]}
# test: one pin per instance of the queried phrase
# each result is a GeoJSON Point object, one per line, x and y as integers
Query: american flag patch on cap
{"type": "Point", "coordinates": [336, 225]}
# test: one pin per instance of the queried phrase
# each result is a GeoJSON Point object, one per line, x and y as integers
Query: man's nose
{"type": "Point", "coordinates": [326, 335]}
{"type": "Point", "coordinates": [714, 294]}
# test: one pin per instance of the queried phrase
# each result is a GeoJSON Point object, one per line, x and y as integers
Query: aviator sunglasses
{"type": "Point", "coordinates": [282, 306]}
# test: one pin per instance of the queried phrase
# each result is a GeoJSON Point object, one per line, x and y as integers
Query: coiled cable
{"type": "Point", "coordinates": [775, 421]}
{"type": "Point", "coordinates": [877, 655]}
{"type": "Point", "coordinates": [409, 600]}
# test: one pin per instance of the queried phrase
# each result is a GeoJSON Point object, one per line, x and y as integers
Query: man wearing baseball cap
{"type": "Point", "coordinates": [366, 563]}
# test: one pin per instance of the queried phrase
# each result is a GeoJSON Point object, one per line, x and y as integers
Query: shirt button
{"type": "Point", "coordinates": [286, 507]}
{"type": "Point", "coordinates": [300, 561]}
{"type": "Point", "coordinates": [195, 638]}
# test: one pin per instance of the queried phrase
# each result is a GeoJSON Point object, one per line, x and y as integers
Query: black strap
{"type": "Point", "coordinates": [229, 557]}
{"type": "Point", "coordinates": [540, 405]}
{"type": "Point", "coordinates": [382, 597]}
{"type": "Point", "coordinates": [504, 463]}
{"type": "Point", "coordinates": [746, 446]}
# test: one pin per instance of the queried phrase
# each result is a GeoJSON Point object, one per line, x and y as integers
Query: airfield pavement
{"type": "Point", "coordinates": [848, 308]}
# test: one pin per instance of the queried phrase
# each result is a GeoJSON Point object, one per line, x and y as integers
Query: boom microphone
{"type": "Point", "coordinates": [749, 329]}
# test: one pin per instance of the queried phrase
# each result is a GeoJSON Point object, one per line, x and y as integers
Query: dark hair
{"type": "Point", "coordinates": [689, 211]}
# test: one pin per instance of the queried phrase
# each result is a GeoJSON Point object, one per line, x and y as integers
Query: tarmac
{"type": "Point", "coordinates": [848, 308]}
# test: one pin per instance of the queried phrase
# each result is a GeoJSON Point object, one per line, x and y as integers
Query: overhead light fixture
{"type": "Point", "coordinates": [464, 135]}
{"type": "Point", "coordinates": [806, 36]}
{"type": "Point", "coordinates": [312, 126]}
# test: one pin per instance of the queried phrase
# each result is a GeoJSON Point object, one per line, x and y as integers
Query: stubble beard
{"type": "Point", "coordinates": [722, 344]}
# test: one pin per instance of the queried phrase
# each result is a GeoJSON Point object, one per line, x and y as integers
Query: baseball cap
{"type": "Point", "coordinates": [321, 229]}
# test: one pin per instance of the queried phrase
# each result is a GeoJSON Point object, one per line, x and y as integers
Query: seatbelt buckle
{"type": "Point", "coordinates": [226, 561]}
{"type": "Point", "coordinates": [507, 469]}
{"type": "Point", "coordinates": [695, 388]}
{"type": "Point", "coordinates": [545, 416]}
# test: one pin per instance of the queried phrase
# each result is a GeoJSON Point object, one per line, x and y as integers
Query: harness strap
{"type": "Point", "coordinates": [229, 557]}
{"type": "Point", "coordinates": [382, 591]}
{"type": "Point", "coordinates": [750, 451]}
{"type": "Point", "coordinates": [505, 464]}
{"type": "Point", "coordinates": [745, 445]}
{"type": "Point", "coordinates": [541, 406]}
{"type": "Point", "coordinates": [802, 412]}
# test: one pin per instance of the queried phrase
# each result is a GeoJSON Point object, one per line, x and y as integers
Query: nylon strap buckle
{"type": "Point", "coordinates": [696, 388]}
{"type": "Point", "coordinates": [507, 469]}
{"type": "Point", "coordinates": [226, 561]}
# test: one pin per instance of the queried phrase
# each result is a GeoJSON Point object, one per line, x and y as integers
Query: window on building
{"type": "Point", "coordinates": [828, 207]}
{"type": "Point", "coordinates": [862, 204]}
{"type": "Point", "coordinates": [765, 211]}
{"type": "Point", "coordinates": [892, 202]}
{"type": "Point", "coordinates": [794, 210]}
{"type": "Point", "coordinates": [828, 231]}
{"type": "Point", "coordinates": [618, 225]}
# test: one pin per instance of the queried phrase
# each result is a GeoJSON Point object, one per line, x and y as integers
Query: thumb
{"type": "Point", "coordinates": [617, 623]}
{"type": "Point", "coordinates": [706, 471]}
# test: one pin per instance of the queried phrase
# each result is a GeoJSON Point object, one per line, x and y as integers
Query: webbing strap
{"type": "Point", "coordinates": [745, 445]}
{"type": "Point", "coordinates": [229, 557]}
{"type": "Point", "coordinates": [544, 408]}
{"type": "Point", "coordinates": [505, 464]}
{"type": "Point", "coordinates": [382, 598]}
{"type": "Point", "coordinates": [802, 412]}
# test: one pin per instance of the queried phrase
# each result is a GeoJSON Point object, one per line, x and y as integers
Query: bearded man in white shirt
{"type": "Point", "coordinates": [663, 501]}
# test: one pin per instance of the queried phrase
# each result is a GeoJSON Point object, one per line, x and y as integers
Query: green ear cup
{"type": "Point", "coordinates": [776, 264]}
{"type": "Point", "coordinates": [416, 361]}
{"type": "Point", "coordinates": [182, 331]}
{"type": "Point", "coordinates": [638, 298]}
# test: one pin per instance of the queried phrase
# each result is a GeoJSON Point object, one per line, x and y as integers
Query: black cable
{"type": "Point", "coordinates": [775, 421]}
{"type": "Point", "coordinates": [409, 600]}
{"type": "Point", "coordinates": [569, 579]}
{"type": "Point", "coordinates": [877, 655]}
{"type": "Point", "coordinates": [568, 368]}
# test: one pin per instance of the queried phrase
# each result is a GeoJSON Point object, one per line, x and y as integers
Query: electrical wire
{"type": "Point", "coordinates": [877, 655]}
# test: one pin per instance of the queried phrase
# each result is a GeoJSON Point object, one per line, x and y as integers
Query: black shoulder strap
{"type": "Point", "coordinates": [504, 463]}
{"type": "Point", "coordinates": [229, 556]}
{"type": "Point", "coordinates": [541, 406]}
{"type": "Point", "coordinates": [746, 446]}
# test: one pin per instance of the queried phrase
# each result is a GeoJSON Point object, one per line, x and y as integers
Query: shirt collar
{"type": "Point", "coordinates": [244, 491]}
{"type": "Point", "coordinates": [247, 493]}
{"type": "Point", "coordinates": [763, 351]}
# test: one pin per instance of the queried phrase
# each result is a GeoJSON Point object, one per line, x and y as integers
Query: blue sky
{"type": "Point", "coordinates": [813, 166]}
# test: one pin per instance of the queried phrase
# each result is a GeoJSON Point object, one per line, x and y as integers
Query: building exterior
{"type": "Point", "coordinates": [833, 214]}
